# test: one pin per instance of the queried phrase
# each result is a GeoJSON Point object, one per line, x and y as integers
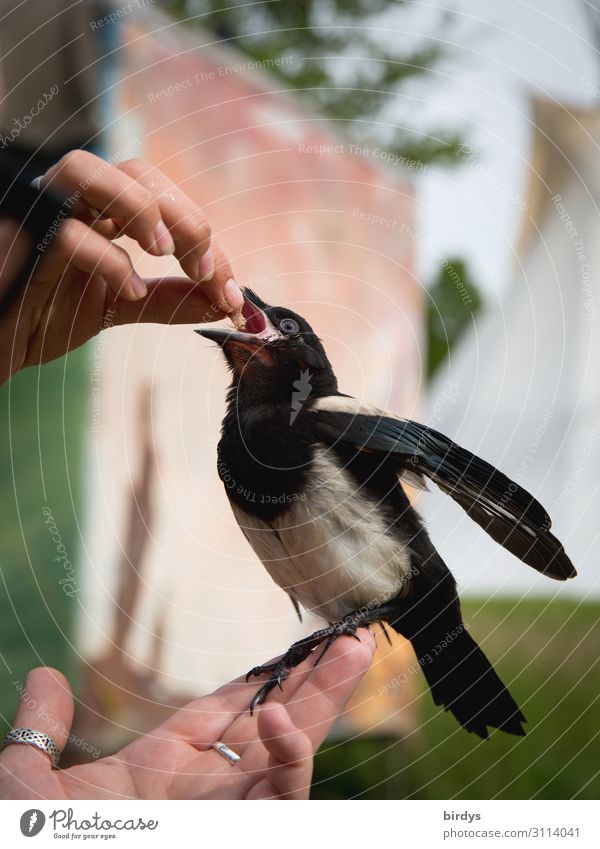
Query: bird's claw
{"type": "Point", "coordinates": [384, 629]}
{"type": "Point", "coordinates": [266, 669]}
{"type": "Point", "coordinates": [258, 699]}
{"type": "Point", "coordinates": [301, 650]}
{"type": "Point", "coordinates": [278, 673]}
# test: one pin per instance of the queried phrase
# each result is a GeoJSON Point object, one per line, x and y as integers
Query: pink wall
{"type": "Point", "coordinates": [324, 233]}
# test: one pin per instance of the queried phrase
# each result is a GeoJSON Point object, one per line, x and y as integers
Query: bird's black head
{"type": "Point", "coordinates": [276, 348]}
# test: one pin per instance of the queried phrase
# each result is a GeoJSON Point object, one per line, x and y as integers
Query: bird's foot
{"type": "Point", "coordinates": [299, 651]}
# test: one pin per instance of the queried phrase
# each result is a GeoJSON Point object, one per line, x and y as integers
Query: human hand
{"type": "Point", "coordinates": [83, 275]}
{"type": "Point", "coordinates": [176, 760]}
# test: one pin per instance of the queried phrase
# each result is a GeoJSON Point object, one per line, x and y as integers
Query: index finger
{"type": "Point", "coordinates": [115, 195]}
{"type": "Point", "coordinates": [313, 696]}
{"type": "Point", "coordinates": [321, 696]}
{"type": "Point", "coordinates": [200, 256]}
{"type": "Point", "coordinates": [187, 223]}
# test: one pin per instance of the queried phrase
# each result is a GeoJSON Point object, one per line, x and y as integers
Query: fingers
{"type": "Point", "coordinates": [89, 179]}
{"type": "Point", "coordinates": [290, 757]}
{"type": "Point", "coordinates": [206, 719]}
{"type": "Point", "coordinates": [136, 199]}
{"type": "Point", "coordinates": [46, 705]}
{"type": "Point", "coordinates": [200, 258]}
{"type": "Point", "coordinates": [177, 300]}
{"type": "Point", "coordinates": [78, 245]}
{"type": "Point", "coordinates": [294, 722]}
{"type": "Point", "coordinates": [313, 697]}
{"type": "Point", "coordinates": [334, 679]}
{"type": "Point", "coordinates": [322, 695]}
{"type": "Point", "coordinates": [187, 223]}
{"type": "Point", "coordinates": [222, 288]}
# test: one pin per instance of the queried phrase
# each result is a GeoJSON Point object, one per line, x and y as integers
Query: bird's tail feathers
{"type": "Point", "coordinates": [463, 680]}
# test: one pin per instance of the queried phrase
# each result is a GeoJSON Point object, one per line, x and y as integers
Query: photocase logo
{"type": "Point", "coordinates": [32, 822]}
{"type": "Point", "coordinates": [302, 389]}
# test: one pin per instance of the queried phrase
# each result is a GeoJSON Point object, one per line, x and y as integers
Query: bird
{"type": "Point", "coordinates": [316, 481]}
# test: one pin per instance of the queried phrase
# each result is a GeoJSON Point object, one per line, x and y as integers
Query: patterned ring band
{"type": "Point", "coordinates": [34, 738]}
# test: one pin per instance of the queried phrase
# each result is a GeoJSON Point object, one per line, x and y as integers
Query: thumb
{"type": "Point", "coordinates": [46, 705]}
{"type": "Point", "coordinates": [170, 300]}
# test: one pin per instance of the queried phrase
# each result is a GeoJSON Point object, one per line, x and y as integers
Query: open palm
{"type": "Point", "coordinates": [176, 760]}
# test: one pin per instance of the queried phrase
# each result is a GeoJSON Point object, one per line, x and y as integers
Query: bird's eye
{"type": "Point", "coordinates": [289, 325]}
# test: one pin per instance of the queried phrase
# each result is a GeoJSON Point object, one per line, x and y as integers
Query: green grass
{"type": "Point", "coordinates": [42, 418]}
{"type": "Point", "coordinates": [548, 653]}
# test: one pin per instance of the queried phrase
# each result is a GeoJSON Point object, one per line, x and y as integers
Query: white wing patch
{"type": "Point", "coordinates": [347, 404]}
{"type": "Point", "coordinates": [330, 550]}
{"type": "Point", "coordinates": [355, 407]}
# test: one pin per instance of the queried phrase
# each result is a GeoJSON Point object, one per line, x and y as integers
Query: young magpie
{"type": "Point", "coordinates": [314, 480]}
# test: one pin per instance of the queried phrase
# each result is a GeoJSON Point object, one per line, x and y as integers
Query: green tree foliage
{"type": "Point", "coordinates": [349, 59]}
{"type": "Point", "coordinates": [346, 56]}
{"type": "Point", "coordinates": [453, 302]}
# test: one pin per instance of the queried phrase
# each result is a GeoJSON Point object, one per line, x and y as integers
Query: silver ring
{"type": "Point", "coordinates": [227, 753]}
{"type": "Point", "coordinates": [34, 738]}
{"type": "Point", "coordinates": [36, 183]}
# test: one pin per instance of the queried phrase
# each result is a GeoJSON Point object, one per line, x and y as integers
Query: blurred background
{"type": "Point", "coordinates": [420, 180]}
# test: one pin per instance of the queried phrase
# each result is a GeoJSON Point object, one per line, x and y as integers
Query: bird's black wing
{"type": "Point", "coordinates": [508, 513]}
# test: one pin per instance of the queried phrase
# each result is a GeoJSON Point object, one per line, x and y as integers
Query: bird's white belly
{"type": "Point", "coordinates": [330, 549]}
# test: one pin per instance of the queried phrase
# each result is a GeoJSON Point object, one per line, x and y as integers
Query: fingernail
{"type": "Point", "coordinates": [163, 239]}
{"type": "Point", "coordinates": [233, 294]}
{"type": "Point", "coordinates": [206, 266]}
{"type": "Point", "coordinates": [139, 287]}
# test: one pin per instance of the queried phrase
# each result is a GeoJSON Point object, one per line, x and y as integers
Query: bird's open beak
{"type": "Point", "coordinates": [258, 331]}
{"type": "Point", "coordinates": [221, 335]}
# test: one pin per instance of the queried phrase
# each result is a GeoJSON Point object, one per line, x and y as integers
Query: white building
{"type": "Point", "coordinates": [523, 388]}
